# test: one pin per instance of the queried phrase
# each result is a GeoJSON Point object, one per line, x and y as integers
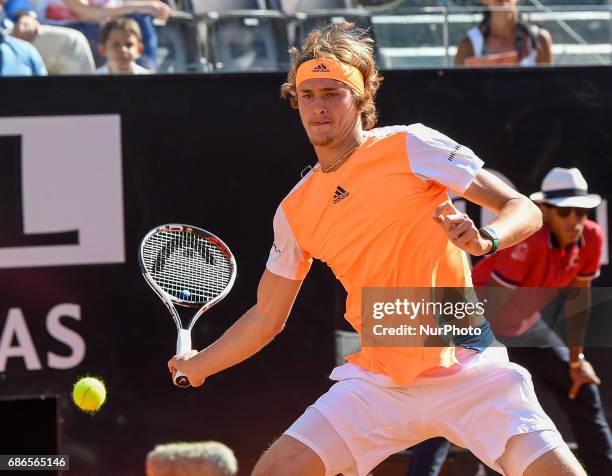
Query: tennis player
{"type": "Point", "coordinates": [375, 209]}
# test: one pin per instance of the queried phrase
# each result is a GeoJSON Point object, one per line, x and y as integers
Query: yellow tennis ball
{"type": "Point", "coordinates": [89, 394]}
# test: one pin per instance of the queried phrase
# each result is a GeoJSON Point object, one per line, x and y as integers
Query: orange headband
{"type": "Point", "coordinates": [330, 68]}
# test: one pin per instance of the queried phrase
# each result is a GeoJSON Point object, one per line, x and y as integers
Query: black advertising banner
{"type": "Point", "coordinates": [89, 165]}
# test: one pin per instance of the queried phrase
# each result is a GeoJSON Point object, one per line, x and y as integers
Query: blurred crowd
{"type": "Point", "coordinates": [39, 37]}
{"type": "Point", "coordinates": [78, 36]}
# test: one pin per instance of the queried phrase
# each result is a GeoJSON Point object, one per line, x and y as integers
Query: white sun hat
{"type": "Point", "coordinates": [566, 188]}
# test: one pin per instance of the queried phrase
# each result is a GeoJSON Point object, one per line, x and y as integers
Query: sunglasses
{"type": "Point", "coordinates": [564, 212]}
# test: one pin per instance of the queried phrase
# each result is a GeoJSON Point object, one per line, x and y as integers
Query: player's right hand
{"type": "Point", "coordinates": [188, 365]}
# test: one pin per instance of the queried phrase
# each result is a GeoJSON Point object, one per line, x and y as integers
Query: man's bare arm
{"type": "Point", "coordinates": [577, 310]}
{"type": "Point", "coordinates": [248, 335]}
{"type": "Point", "coordinates": [577, 313]}
{"type": "Point", "coordinates": [518, 217]}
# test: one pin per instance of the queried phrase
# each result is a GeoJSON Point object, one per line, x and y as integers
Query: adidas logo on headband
{"type": "Point", "coordinates": [332, 69]}
{"type": "Point", "coordinates": [320, 68]}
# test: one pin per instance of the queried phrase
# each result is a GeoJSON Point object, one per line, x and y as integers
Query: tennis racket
{"type": "Point", "coordinates": [188, 267]}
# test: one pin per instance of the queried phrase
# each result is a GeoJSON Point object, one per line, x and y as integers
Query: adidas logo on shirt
{"type": "Point", "coordinates": [320, 68]}
{"type": "Point", "coordinates": [340, 194]}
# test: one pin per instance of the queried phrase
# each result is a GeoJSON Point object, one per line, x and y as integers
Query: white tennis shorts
{"type": "Point", "coordinates": [480, 406]}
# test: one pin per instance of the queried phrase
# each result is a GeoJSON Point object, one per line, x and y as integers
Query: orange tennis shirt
{"type": "Point", "coordinates": [371, 222]}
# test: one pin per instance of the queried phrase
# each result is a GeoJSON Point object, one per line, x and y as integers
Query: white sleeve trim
{"type": "Point", "coordinates": [589, 277]}
{"type": "Point", "coordinates": [286, 258]}
{"type": "Point", "coordinates": [503, 282]}
{"type": "Point", "coordinates": [434, 156]}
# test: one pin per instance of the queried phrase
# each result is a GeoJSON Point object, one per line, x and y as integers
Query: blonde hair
{"type": "Point", "coordinates": [205, 458]}
{"type": "Point", "coordinates": [349, 45]}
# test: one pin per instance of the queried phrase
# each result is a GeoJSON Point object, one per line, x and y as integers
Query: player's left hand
{"type": "Point", "coordinates": [186, 364]}
{"type": "Point", "coordinates": [460, 229]}
{"type": "Point", "coordinates": [581, 375]}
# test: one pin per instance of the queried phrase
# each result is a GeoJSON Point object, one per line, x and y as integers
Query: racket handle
{"type": "Point", "coordinates": [183, 345]}
{"type": "Point", "coordinates": [180, 380]}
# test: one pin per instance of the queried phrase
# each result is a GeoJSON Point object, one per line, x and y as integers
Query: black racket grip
{"type": "Point", "coordinates": [181, 380]}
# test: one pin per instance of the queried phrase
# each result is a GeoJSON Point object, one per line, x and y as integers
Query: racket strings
{"type": "Point", "coordinates": [182, 275]}
{"type": "Point", "coordinates": [187, 266]}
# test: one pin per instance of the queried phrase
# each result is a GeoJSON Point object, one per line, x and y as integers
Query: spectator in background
{"type": "Point", "coordinates": [64, 50]}
{"type": "Point", "coordinates": [207, 458]}
{"type": "Point", "coordinates": [565, 253]}
{"type": "Point", "coordinates": [19, 58]}
{"type": "Point", "coordinates": [502, 39]}
{"type": "Point", "coordinates": [86, 15]}
{"type": "Point", "coordinates": [121, 45]}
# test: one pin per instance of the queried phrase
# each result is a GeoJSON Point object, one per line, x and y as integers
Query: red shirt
{"type": "Point", "coordinates": [539, 262]}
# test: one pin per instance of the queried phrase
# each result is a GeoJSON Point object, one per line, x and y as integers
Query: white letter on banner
{"type": "Point", "coordinates": [65, 336]}
{"type": "Point", "coordinates": [15, 327]}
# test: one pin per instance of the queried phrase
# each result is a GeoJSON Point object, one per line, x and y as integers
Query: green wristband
{"type": "Point", "coordinates": [492, 235]}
